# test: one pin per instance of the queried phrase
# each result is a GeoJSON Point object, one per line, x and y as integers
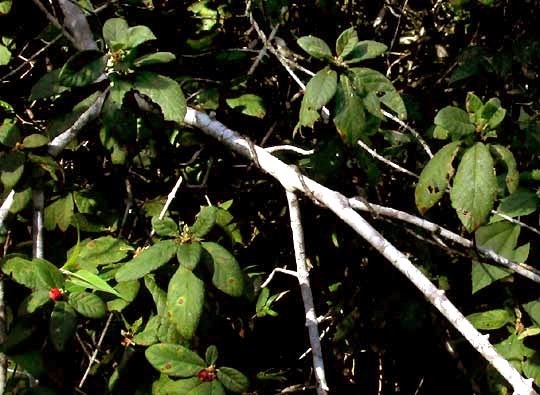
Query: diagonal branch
{"type": "Point", "coordinates": [340, 205]}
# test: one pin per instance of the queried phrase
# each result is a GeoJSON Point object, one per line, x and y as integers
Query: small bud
{"type": "Point", "coordinates": [55, 294]}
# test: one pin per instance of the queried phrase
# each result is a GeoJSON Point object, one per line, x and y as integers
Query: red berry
{"type": "Point", "coordinates": [207, 375]}
{"type": "Point", "coordinates": [55, 294]}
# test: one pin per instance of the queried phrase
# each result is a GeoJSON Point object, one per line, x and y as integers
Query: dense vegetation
{"type": "Point", "coordinates": [116, 281]}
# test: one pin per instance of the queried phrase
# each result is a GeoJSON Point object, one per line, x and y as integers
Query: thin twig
{"type": "Point", "coordinates": [94, 355]}
{"type": "Point", "coordinates": [520, 268]}
{"type": "Point", "coordinates": [4, 209]}
{"type": "Point", "coordinates": [55, 22]}
{"type": "Point", "coordinates": [262, 52]}
{"type": "Point", "coordinates": [281, 270]}
{"type": "Point", "coordinates": [515, 221]}
{"type": "Point", "coordinates": [414, 132]}
{"type": "Point", "coordinates": [305, 288]}
{"type": "Point", "coordinates": [170, 198]}
{"type": "Point", "coordinates": [38, 200]}
{"type": "Point", "coordinates": [16, 69]}
{"type": "Point", "coordinates": [290, 148]}
{"type": "Point", "coordinates": [374, 153]}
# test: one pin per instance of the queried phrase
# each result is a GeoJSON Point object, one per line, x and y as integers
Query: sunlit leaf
{"type": "Point", "coordinates": [315, 47]}
{"type": "Point", "coordinates": [174, 360]}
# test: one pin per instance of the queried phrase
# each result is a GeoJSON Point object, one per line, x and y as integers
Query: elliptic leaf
{"type": "Point", "coordinates": [48, 85]}
{"type": "Point", "coordinates": [473, 103]}
{"type": "Point", "coordinates": [22, 271]}
{"type": "Point", "coordinates": [35, 141]}
{"type": "Point", "coordinates": [5, 54]}
{"type": "Point", "coordinates": [154, 58]}
{"type": "Point", "coordinates": [167, 332]}
{"type": "Point", "coordinates": [475, 187]}
{"type": "Point", "coordinates": [315, 47]}
{"type": "Point", "coordinates": [248, 104]}
{"type": "Point", "coordinates": [211, 355]}
{"type": "Point", "coordinates": [206, 219]}
{"type": "Point", "coordinates": [533, 309]}
{"type": "Point", "coordinates": [98, 252]}
{"type": "Point", "coordinates": [225, 221]}
{"type": "Point", "coordinates": [456, 121]}
{"type": "Point", "coordinates": [350, 118]}
{"type": "Point", "coordinates": [228, 276]}
{"type": "Point", "coordinates": [521, 202]}
{"type": "Point", "coordinates": [365, 50]}
{"type": "Point", "coordinates": [87, 304]}
{"type": "Point", "coordinates": [149, 335]}
{"type": "Point", "coordinates": [321, 88]}
{"type": "Point", "coordinates": [492, 319]}
{"type": "Point", "coordinates": [83, 68]}
{"type": "Point", "coordinates": [159, 295]}
{"type": "Point", "coordinates": [492, 113]}
{"type": "Point", "coordinates": [115, 33]}
{"type": "Point", "coordinates": [90, 280]}
{"type": "Point", "coordinates": [512, 175]}
{"type": "Point", "coordinates": [62, 324]}
{"type": "Point", "coordinates": [5, 6]}
{"type": "Point", "coordinates": [48, 274]}
{"type": "Point", "coordinates": [9, 132]}
{"type": "Point", "coordinates": [232, 379]}
{"type": "Point", "coordinates": [33, 302]}
{"type": "Point", "coordinates": [346, 42]}
{"type": "Point", "coordinates": [147, 261]}
{"type": "Point", "coordinates": [59, 213]}
{"type": "Point", "coordinates": [185, 300]}
{"type": "Point", "coordinates": [11, 168]}
{"type": "Point", "coordinates": [483, 274]}
{"type": "Point", "coordinates": [163, 91]}
{"type": "Point", "coordinates": [435, 177]}
{"type": "Point", "coordinates": [137, 35]}
{"type": "Point", "coordinates": [174, 360]}
{"type": "Point", "coordinates": [307, 117]}
{"type": "Point", "coordinates": [189, 254]}
{"type": "Point", "coordinates": [128, 290]}
{"type": "Point", "coordinates": [165, 227]}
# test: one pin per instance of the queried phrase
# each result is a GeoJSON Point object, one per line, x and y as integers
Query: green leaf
{"type": "Point", "coordinates": [248, 104]}
{"type": "Point", "coordinates": [5, 6]}
{"type": "Point", "coordinates": [115, 33]}
{"type": "Point", "coordinates": [225, 221]}
{"type": "Point", "coordinates": [35, 141]}
{"type": "Point", "coordinates": [350, 118]}
{"type": "Point", "coordinates": [34, 301]}
{"type": "Point", "coordinates": [165, 227]}
{"type": "Point", "coordinates": [5, 55]}
{"type": "Point", "coordinates": [22, 271]}
{"type": "Point", "coordinates": [48, 85]}
{"type": "Point", "coordinates": [94, 253]}
{"type": "Point", "coordinates": [174, 360]}
{"type": "Point", "coordinates": [315, 47]}
{"type": "Point", "coordinates": [194, 386]}
{"type": "Point", "coordinates": [262, 299]}
{"type": "Point", "coordinates": [366, 49]}
{"type": "Point", "coordinates": [59, 213]}
{"type": "Point", "coordinates": [11, 168]}
{"type": "Point", "coordinates": [128, 290]}
{"type": "Point", "coordinates": [20, 331]}
{"type": "Point", "coordinates": [533, 310]}
{"type": "Point", "coordinates": [506, 156]}
{"type": "Point", "coordinates": [167, 332]}
{"type": "Point", "coordinates": [113, 103]}
{"type": "Point", "coordinates": [228, 277]}
{"type": "Point", "coordinates": [48, 274]}
{"type": "Point", "coordinates": [473, 103]}
{"type": "Point", "coordinates": [521, 202]}
{"type": "Point", "coordinates": [366, 80]}
{"type": "Point", "coordinates": [346, 42]}
{"type": "Point", "coordinates": [154, 58]}
{"type": "Point", "coordinates": [21, 200]}
{"type": "Point", "coordinates": [149, 335]}
{"type": "Point", "coordinates": [9, 132]}
{"type": "Point", "coordinates": [492, 319]}
{"type": "Point", "coordinates": [62, 325]}
{"type": "Point", "coordinates": [163, 91]}
{"type": "Point", "coordinates": [90, 280]}
{"type": "Point", "coordinates": [159, 295]}
{"type": "Point", "coordinates": [185, 300]}
{"type": "Point", "coordinates": [456, 121]}
{"type": "Point", "coordinates": [435, 177]}
{"type": "Point", "coordinates": [189, 254]}
{"type": "Point", "coordinates": [83, 68]}
{"type": "Point", "coordinates": [211, 355]}
{"type": "Point", "coordinates": [232, 379]}
{"type": "Point", "coordinates": [321, 88]}
{"type": "Point", "coordinates": [512, 349]}
{"type": "Point", "coordinates": [492, 113]}
{"type": "Point", "coordinates": [206, 219]}
{"type": "Point", "coordinates": [137, 35]}
{"type": "Point", "coordinates": [306, 117]}
{"type": "Point", "coordinates": [147, 261]}
{"type": "Point", "coordinates": [87, 304]}
{"type": "Point", "coordinates": [475, 187]}
{"type": "Point", "coordinates": [483, 274]}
